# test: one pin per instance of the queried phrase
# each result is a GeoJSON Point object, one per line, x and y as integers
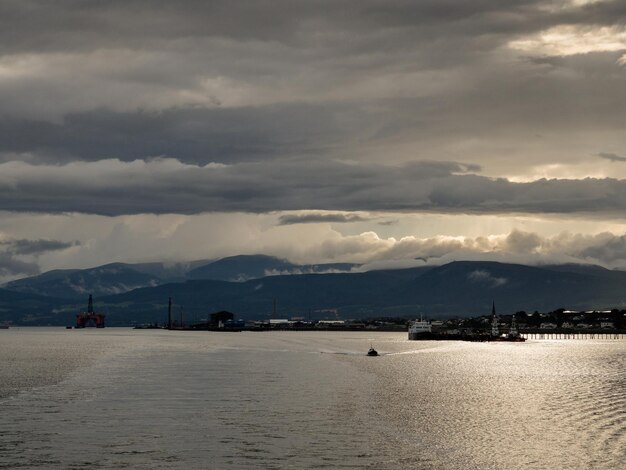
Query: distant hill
{"type": "Point", "coordinates": [109, 279]}
{"type": "Point", "coordinates": [245, 267]}
{"type": "Point", "coordinates": [468, 287]}
{"type": "Point", "coordinates": [317, 295]}
{"type": "Point", "coordinates": [117, 278]}
{"type": "Point", "coordinates": [455, 289]}
{"type": "Point", "coordinates": [169, 272]}
{"type": "Point", "coordinates": [464, 288]}
{"type": "Point", "coordinates": [26, 308]}
{"type": "Point", "coordinates": [578, 268]}
{"type": "Point", "coordinates": [241, 268]}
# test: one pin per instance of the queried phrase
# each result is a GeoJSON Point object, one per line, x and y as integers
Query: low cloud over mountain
{"type": "Point", "coordinates": [453, 289]}
{"type": "Point", "coordinates": [12, 251]}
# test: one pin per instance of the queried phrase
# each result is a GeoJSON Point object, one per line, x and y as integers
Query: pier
{"type": "Point", "coordinates": [575, 335]}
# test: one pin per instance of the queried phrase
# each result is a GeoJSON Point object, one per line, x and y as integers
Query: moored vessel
{"type": "Point", "coordinates": [420, 329]}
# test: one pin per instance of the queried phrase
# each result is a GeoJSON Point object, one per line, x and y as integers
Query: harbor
{"type": "Point", "coordinates": [558, 325]}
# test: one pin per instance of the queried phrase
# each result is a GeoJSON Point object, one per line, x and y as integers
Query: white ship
{"type": "Point", "coordinates": [419, 327]}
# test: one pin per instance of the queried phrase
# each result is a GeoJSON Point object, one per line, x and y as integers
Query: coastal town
{"type": "Point", "coordinates": [557, 321]}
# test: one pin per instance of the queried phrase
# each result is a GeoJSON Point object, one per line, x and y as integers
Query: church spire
{"type": "Point", "coordinates": [494, 321]}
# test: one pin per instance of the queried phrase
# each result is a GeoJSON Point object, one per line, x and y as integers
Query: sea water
{"type": "Point", "coordinates": [122, 398]}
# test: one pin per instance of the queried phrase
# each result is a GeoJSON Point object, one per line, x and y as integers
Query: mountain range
{"type": "Point", "coordinates": [129, 293]}
{"type": "Point", "coordinates": [117, 278]}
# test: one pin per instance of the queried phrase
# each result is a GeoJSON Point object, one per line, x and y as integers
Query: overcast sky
{"type": "Point", "coordinates": [382, 132]}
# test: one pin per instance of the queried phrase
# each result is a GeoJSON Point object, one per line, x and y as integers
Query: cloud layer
{"type": "Point", "coordinates": [112, 187]}
{"type": "Point", "coordinates": [509, 85]}
{"type": "Point", "coordinates": [290, 117]}
{"type": "Point", "coordinates": [13, 250]}
{"type": "Point", "coordinates": [81, 240]}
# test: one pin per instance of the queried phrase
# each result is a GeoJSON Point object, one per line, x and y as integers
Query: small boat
{"type": "Point", "coordinates": [372, 352]}
{"type": "Point", "coordinates": [68, 327]}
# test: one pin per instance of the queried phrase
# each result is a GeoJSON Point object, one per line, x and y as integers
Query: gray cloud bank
{"type": "Point", "coordinates": [112, 187]}
{"type": "Point", "coordinates": [373, 252]}
{"type": "Point", "coordinates": [605, 249]}
{"type": "Point", "coordinates": [35, 247]}
{"type": "Point", "coordinates": [10, 266]}
{"type": "Point", "coordinates": [194, 134]}
{"type": "Point", "coordinates": [113, 23]}
{"type": "Point", "coordinates": [12, 251]}
{"type": "Point", "coordinates": [248, 81]}
{"type": "Point", "coordinates": [612, 157]}
{"type": "Point", "coordinates": [317, 217]}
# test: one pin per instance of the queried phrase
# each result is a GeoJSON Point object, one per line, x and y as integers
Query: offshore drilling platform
{"type": "Point", "coordinates": [90, 318]}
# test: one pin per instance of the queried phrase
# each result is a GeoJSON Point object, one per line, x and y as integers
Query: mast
{"type": "Point", "coordinates": [90, 305]}
{"type": "Point", "coordinates": [494, 321]}
{"type": "Point", "coordinates": [169, 314]}
{"type": "Point", "coordinates": [513, 331]}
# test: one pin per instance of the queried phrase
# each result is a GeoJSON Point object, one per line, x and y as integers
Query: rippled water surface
{"type": "Point", "coordinates": [121, 398]}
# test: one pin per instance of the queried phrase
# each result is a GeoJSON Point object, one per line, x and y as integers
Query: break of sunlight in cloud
{"type": "Point", "coordinates": [581, 171]}
{"type": "Point", "coordinates": [560, 5]}
{"type": "Point", "coordinates": [564, 40]}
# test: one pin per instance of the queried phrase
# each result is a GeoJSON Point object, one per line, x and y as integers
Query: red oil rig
{"type": "Point", "coordinates": [90, 318]}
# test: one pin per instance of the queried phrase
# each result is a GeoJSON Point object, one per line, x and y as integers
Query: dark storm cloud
{"type": "Point", "coordinates": [111, 187]}
{"type": "Point", "coordinates": [319, 217]}
{"type": "Point", "coordinates": [613, 248]}
{"type": "Point", "coordinates": [259, 85]}
{"type": "Point", "coordinates": [157, 51]}
{"type": "Point", "coordinates": [389, 222]}
{"type": "Point", "coordinates": [35, 247]}
{"type": "Point", "coordinates": [12, 251]}
{"type": "Point", "coordinates": [70, 25]}
{"type": "Point", "coordinates": [230, 81]}
{"type": "Point", "coordinates": [197, 135]}
{"type": "Point", "coordinates": [612, 157]}
{"type": "Point", "coordinates": [9, 266]}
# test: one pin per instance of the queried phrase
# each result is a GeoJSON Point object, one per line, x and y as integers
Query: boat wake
{"type": "Point", "coordinates": [352, 353]}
